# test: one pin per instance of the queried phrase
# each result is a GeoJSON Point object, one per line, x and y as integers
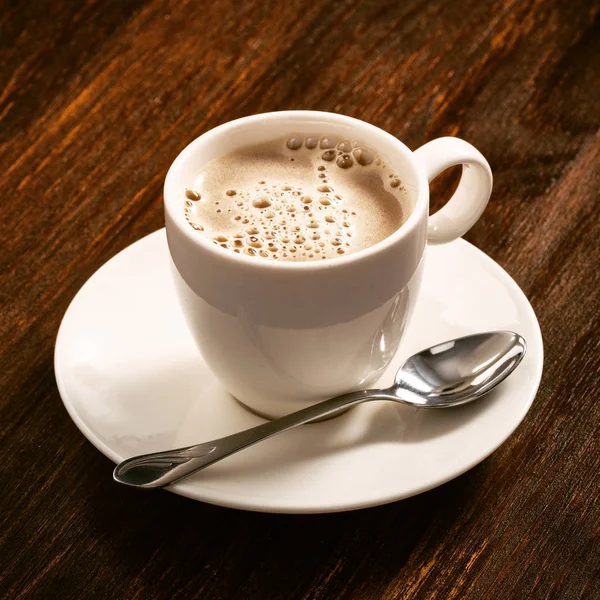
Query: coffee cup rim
{"type": "Point", "coordinates": [173, 200]}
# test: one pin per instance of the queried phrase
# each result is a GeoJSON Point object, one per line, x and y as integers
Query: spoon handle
{"type": "Point", "coordinates": [163, 468]}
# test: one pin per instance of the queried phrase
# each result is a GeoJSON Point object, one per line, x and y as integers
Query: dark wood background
{"type": "Point", "coordinates": [97, 98]}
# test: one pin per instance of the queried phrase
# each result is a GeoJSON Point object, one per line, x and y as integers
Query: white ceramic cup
{"type": "Point", "coordinates": [283, 335]}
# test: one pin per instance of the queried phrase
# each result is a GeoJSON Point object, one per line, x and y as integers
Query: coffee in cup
{"type": "Point", "coordinates": [300, 198]}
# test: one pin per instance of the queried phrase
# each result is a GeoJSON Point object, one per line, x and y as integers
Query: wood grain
{"type": "Point", "coordinates": [97, 97]}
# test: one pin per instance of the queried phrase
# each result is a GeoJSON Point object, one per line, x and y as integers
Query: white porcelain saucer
{"type": "Point", "coordinates": [133, 382]}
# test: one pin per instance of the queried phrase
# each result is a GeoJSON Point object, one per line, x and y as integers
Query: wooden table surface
{"type": "Point", "coordinates": [97, 99]}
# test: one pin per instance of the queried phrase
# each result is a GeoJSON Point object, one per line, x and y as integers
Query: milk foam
{"type": "Point", "coordinates": [296, 199]}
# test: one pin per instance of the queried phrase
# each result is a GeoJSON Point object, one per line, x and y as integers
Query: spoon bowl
{"type": "Point", "coordinates": [459, 371]}
{"type": "Point", "coordinates": [448, 374]}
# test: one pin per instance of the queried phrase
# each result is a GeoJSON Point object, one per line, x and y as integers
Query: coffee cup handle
{"type": "Point", "coordinates": [469, 200]}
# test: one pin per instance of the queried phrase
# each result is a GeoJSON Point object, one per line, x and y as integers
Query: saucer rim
{"type": "Point", "coordinates": [247, 502]}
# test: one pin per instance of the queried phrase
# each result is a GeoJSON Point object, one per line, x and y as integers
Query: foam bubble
{"type": "Point", "coordinates": [327, 142]}
{"type": "Point", "coordinates": [192, 195]}
{"type": "Point", "coordinates": [363, 156]}
{"type": "Point", "coordinates": [344, 162]}
{"type": "Point", "coordinates": [263, 202]}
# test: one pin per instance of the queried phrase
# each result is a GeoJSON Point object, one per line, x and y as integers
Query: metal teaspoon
{"type": "Point", "coordinates": [448, 374]}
